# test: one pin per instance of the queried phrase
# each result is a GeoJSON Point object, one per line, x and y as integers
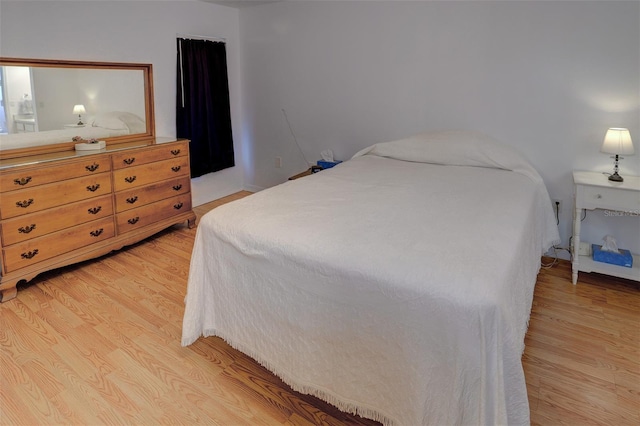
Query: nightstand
{"type": "Point", "coordinates": [311, 170]}
{"type": "Point", "coordinates": [299, 175]}
{"type": "Point", "coordinates": [595, 191]}
{"type": "Point", "coordinates": [73, 126]}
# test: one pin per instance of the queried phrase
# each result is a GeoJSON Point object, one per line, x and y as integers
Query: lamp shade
{"type": "Point", "coordinates": [617, 141]}
{"type": "Point", "coordinates": [79, 109]}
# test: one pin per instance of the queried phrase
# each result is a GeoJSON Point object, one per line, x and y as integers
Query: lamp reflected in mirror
{"type": "Point", "coordinates": [617, 141]}
{"type": "Point", "coordinates": [79, 109]}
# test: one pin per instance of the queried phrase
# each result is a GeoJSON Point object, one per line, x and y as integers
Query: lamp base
{"type": "Point", "coordinates": [616, 177]}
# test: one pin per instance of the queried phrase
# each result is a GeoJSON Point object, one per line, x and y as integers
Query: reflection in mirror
{"type": "Point", "coordinates": [48, 95]}
{"type": "Point", "coordinates": [43, 103]}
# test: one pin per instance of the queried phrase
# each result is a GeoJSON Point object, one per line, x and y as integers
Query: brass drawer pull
{"type": "Point", "coordinates": [27, 229]}
{"type": "Point", "coordinates": [29, 254]}
{"type": "Point", "coordinates": [93, 167]}
{"type": "Point", "coordinates": [133, 220]}
{"type": "Point", "coordinates": [177, 187]}
{"type": "Point", "coordinates": [175, 151]}
{"type": "Point", "coordinates": [176, 168]}
{"type": "Point", "coordinates": [24, 204]}
{"type": "Point", "coordinates": [132, 200]}
{"type": "Point", "coordinates": [129, 161]}
{"type": "Point", "coordinates": [130, 179]}
{"type": "Point", "coordinates": [97, 232]}
{"type": "Point", "coordinates": [94, 187]}
{"type": "Point", "coordinates": [95, 210]}
{"type": "Point", "coordinates": [178, 206]}
{"type": "Point", "coordinates": [22, 181]}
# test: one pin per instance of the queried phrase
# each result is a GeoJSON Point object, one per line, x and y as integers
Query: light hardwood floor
{"type": "Point", "coordinates": [99, 343]}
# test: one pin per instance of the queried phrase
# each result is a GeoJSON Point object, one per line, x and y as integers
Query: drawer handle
{"type": "Point", "coordinates": [24, 204]}
{"type": "Point", "coordinates": [27, 229]}
{"type": "Point", "coordinates": [130, 179]}
{"type": "Point", "coordinates": [175, 151]}
{"type": "Point", "coordinates": [133, 220]}
{"type": "Point", "coordinates": [93, 167]}
{"type": "Point", "coordinates": [132, 200]}
{"type": "Point", "coordinates": [176, 168]}
{"type": "Point", "coordinates": [178, 206]}
{"type": "Point", "coordinates": [177, 187]}
{"type": "Point", "coordinates": [95, 210]}
{"type": "Point", "coordinates": [22, 181]}
{"type": "Point", "coordinates": [97, 232]}
{"type": "Point", "coordinates": [129, 161]}
{"type": "Point", "coordinates": [94, 187]}
{"type": "Point", "coordinates": [29, 254]}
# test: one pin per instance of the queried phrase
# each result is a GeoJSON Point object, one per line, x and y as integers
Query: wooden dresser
{"type": "Point", "coordinates": [63, 208]}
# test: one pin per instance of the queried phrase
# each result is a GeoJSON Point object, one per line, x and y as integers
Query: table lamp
{"type": "Point", "coordinates": [617, 141]}
{"type": "Point", "coordinates": [79, 109]}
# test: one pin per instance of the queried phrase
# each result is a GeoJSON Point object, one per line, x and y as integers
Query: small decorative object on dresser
{"type": "Point", "coordinates": [594, 191]}
{"type": "Point", "coordinates": [90, 145]}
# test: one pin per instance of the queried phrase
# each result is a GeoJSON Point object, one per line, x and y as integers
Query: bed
{"type": "Point", "coordinates": [396, 285]}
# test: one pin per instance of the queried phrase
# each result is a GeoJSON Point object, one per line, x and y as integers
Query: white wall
{"type": "Point", "coordinates": [131, 31]}
{"type": "Point", "coordinates": [546, 77]}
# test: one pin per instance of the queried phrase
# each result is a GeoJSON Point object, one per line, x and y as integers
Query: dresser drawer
{"type": "Point", "coordinates": [150, 173]}
{"type": "Point", "coordinates": [38, 224]}
{"type": "Point", "coordinates": [38, 249]}
{"type": "Point", "coordinates": [609, 198]}
{"type": "Point", "coordinates": [134, 158]}
{"type": "Point", "coordinates": [137, 197]}
{"type": "Point", "coordinates": [152, 213]}
{"type": "Point", "coordinates": [16, 203]}
{"type": "Point", "coordinates": [12, 181]}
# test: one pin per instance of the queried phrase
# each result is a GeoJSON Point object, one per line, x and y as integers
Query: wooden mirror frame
{"type": "Point", "coordinates": [148, 136]}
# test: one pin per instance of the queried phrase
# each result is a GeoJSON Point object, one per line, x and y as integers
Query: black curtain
{"type": "Point", "coordinates": [202, 111]}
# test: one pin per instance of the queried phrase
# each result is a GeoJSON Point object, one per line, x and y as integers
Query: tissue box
{"type": "Point", "coordinates": [623, 258]}
{"type": "Point", "coordinates": [327, 164]}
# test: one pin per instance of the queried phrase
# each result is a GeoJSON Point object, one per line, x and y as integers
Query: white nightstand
{"type": "Point", "coordinates": [596, 191]}
{"type": "Point", "coordinates": [73, 126]}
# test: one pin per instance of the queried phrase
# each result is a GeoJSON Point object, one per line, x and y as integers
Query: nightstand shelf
{"type": "Point", "coordinates": [587, 264]}
{"type": "Point", "coordinates": [594, 191]}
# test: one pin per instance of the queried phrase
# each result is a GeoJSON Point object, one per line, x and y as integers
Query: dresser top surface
{"type": "Point", "coordinates": [8, 164]}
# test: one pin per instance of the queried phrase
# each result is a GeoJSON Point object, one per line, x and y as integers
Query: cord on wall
{"type": "Point", "coordinates": [294, 137]}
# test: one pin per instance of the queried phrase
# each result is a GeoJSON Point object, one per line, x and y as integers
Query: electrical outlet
{"type": "Point", "coordinates": [557, 206]}
{"type": "Point", "coordinates": [584, 249]}
{"type": "Point", "coordinates": [278, 162]}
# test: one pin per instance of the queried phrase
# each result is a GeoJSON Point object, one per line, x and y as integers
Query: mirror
{"type": "Point", "coordinates": [45, 104]}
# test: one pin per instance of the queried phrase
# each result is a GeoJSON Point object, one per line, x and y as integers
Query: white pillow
{"type": "Point", "coordinates": [118, 120]}
{"type": "Point", "coordinates": [133, 122]}
{"type": "Point", "coordinates": [457, 148]}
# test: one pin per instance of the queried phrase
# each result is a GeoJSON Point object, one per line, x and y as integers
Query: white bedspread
{"type": "Point", "coordinates": [397, 289]}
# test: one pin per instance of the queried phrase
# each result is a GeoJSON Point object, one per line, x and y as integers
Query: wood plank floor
{"type": "Point", "coordinates": [99, 343]}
